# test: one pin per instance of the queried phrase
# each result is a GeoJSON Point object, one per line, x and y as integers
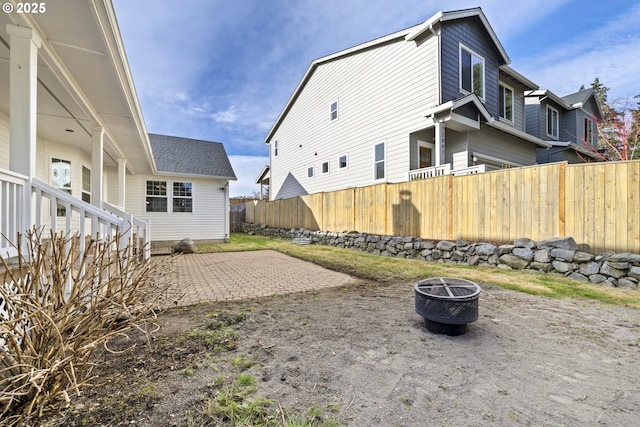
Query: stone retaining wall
{"type": "Point", "coordinates": [560, 255]}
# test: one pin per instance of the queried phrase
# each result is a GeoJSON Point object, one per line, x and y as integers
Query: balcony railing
{"type": "Point", "coordinates": [470, 170]}
{"type": "Point", "coordinates": [430, 172]}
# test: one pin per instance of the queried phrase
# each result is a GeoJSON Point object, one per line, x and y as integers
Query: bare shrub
{"type": "Point", "coordinates": [59, 306]}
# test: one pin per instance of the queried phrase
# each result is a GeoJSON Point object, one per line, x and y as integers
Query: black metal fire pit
{"type": "Point", "coordinates": [447, 304]}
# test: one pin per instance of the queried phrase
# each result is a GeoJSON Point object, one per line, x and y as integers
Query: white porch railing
{"type": "Point", "coordinates": [430, 172]}
{"type": "Point", "coordinates": [442, 170]}
{"type": "Point", "coordinates": [64, 213]}
{"type": "Point", "coordinates": [12, 191]}
{"type": "Point", "coordinates": [470, 170]}
{"type": "Point", "coordinates": [139, 237]}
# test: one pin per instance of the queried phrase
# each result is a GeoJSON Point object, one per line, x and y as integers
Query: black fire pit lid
{"type": "Point", "coordinates": [448, 288]}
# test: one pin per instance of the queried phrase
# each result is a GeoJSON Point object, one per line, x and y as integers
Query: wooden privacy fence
{"type": "Point", "coordinates": [597, 204]}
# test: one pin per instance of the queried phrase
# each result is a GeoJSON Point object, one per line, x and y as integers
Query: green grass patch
{"type": "Point", "coordinates": [388, 270]}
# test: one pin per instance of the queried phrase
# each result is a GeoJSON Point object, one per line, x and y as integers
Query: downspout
{"type": "Point", "coordinates": [227, 225]}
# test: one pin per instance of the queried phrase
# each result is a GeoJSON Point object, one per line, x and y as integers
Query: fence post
{"type": "Point", "coordinates": [450, 206]}
{"type": "Point", "coordinates": [561, 199]}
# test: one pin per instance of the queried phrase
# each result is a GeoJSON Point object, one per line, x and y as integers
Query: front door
{"type": "Point", "coordinates": [425, 157]}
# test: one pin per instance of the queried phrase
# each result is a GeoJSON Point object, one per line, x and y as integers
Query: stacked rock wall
{"type": "Point", "coordinates": [559, 255]}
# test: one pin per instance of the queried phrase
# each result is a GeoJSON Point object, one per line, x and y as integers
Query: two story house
{"type": "Point", "coordinates": [75, 154]}
{"type": "Point", "coordinates": [433, 99]}
{"type": "Point", "coordinates": [568, 123]}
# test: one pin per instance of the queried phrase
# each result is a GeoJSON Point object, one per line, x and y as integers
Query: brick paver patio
{"type": "Point", "coordinates": [241, 275]}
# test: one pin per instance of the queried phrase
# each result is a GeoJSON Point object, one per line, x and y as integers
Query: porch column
{"type": "Point", "coordinates": [97, 157]}
{"type": "Point", "coordinates": [122, 182]}
{"type": "Point", "coordinates": [439, 143]}
{"type": "Point", "coordinates": [23, 103]}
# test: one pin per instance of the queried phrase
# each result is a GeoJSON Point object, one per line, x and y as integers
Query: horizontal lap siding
{"type": "Point", "coordinates": [381, 95]}
{"type": "Point", "coordinates": [4, 142]}
{"type": "Point", "coordinates": [207, 221]}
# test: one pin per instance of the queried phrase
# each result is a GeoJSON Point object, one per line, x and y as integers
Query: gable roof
{"type": "Point", "coordinates": [184, 156]}
{"type": "Point", "coordinates": [407, 34]}
{"type": "Point", "coordinates": [579, 97]}
{"type": "Point", "coordinates": [459, 14]}
{"type": "Point", "coordinates": [568, 102]}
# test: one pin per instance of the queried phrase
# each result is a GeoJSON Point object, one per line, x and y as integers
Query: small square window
{"type": "Point", "coordinates": [343, 161]}
{"type": "Point", "coordinates": [310, 172]}
{"type": "Point", "coordinates": [334, 110]}
{"type": "Point", "coordinates": [325, 167]}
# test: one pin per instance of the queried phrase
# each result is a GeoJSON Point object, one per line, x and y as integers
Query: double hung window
{"type": "Point", "coordinates": [471, 72]}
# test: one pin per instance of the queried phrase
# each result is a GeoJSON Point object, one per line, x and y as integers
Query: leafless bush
{"type": "Point", "coordinates": [59, 306]}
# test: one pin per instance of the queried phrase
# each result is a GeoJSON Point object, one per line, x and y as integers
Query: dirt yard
{"type": "Point", "coordinates": [360, 356]}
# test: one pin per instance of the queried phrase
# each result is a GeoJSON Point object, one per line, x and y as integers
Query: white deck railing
{"type": "Point", "coordinates": [430, 172]}
{"type": "Point", "coordinates": [12, 191]}
{"type": "Point", "coordinates": [441, 170]}
{"type": "Point", "coordinates": [64, 213]}
{"type": "Point", "coordinates": [470, 170]}
{"type": "Point", "coordinates": [138, 237]}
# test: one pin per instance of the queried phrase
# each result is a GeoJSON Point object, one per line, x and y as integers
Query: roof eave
{"type": "Point", "coordinates": [496, 124]}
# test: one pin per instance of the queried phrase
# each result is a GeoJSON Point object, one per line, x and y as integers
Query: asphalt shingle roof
{"type": "Point", "coordinates": [190, 156]}
{"type": "Point", "coordinates": [579, 96]}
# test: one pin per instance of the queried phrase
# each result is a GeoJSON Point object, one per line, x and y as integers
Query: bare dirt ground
{"type": "Point", "coordinates": [361, 356]}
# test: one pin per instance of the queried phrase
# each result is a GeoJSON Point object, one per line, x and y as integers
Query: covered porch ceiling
{"type": "Point", "coordinates": [83, 80]}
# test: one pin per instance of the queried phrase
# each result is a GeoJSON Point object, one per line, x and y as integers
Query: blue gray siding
{"type": "Point", "coordinates": [471, 34]}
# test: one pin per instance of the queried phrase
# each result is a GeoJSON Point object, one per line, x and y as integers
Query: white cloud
{"type": "Point", "coordinates": [607, 52]}
{"type": "Point", "coordinates": [247, 169]}
{"type": "Point", "coordinates": [227, 116]}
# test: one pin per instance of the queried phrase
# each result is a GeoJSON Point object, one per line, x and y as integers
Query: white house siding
{"type": "Point", "coordinates": [4, 142]}
{"type": "Point", "coordinates": [45, 151]}
{"type": "Point", "coordinates": [110, 190]}
{"type": "Point", "coordinates": [208, 221]}
{"type": "Point", "coordinates": [382, 95]}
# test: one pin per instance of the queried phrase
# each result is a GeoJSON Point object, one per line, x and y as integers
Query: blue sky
{"type": "Point", "coordinates": [222, 70]}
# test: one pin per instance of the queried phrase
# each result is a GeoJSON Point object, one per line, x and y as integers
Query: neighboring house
{"type": "Point", "coordinates": [568, 123]}
{"type": "Point", "coordinates": [74, 150]}
{"type": "Point", "coordinates": [433, 99]}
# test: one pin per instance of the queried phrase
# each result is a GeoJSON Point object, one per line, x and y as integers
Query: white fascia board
{"type": "Point", "coordinates": [426, 25]}
{"type": "Point", "coordinates": [264, 174]}
{"type": "Point", "coordinates": [516, 75]}
{"type": "Point", "coordinates": [555, 98]}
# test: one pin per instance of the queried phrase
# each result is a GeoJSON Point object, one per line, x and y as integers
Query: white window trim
{"type": "Point", "coordinates": [332, 119]}
{"type": "Point", "coordinates": [174, 196]}
{"type": "Point", "coordinates": [328, 167]}
{"type": "Point", "coordinates": [513, 94]}
{"type": "Point", "coordinates": [313, 172]}
{"type": "Point", "coordinates": [462, 47]}
{"type": "Point", "coordinates": [82, 190]}
{"type": "Point", "coordinates": [346, 155]}
{"type": "Point", "coordinates": [549, 107]}
{"type": "Point", "coordinates": [591, 122]}
{"type": "Point", "coordinates": [275, 148]}
{"type": "Point", "coordinates": [384, 161]}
